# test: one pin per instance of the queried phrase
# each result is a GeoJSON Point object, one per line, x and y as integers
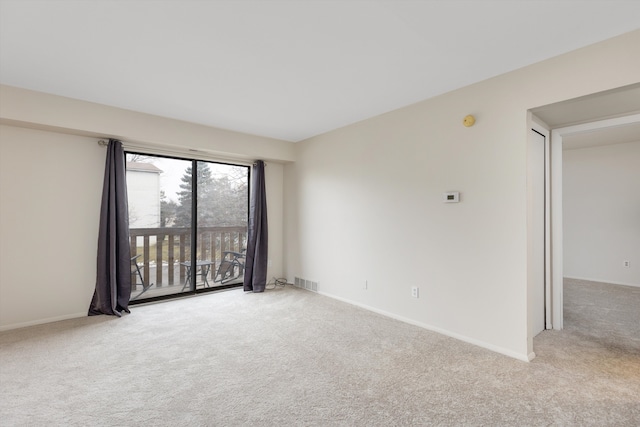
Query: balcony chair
{"type": "Point", "coordinates": [231, 266]}
{"type": "Point", "coordinates": [135, 270]}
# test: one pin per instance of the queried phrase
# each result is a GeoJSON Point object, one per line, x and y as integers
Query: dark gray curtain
{"type": "Point", "coordinates": [255, 273]}
{"type": "Point", "coordinates": [113, 279]}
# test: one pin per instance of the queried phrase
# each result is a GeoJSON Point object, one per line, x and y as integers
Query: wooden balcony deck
{"type": "Point", "coordinates": [170, 248]}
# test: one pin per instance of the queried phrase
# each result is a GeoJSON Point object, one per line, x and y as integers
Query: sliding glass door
{"type": "Point", "coordinates": [188, 224]}
{"type": "Point", "coordinates": [222, 208]}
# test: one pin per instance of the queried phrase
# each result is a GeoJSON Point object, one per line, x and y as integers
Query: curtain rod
{"type": "Point", "coordinates": [187, 152]}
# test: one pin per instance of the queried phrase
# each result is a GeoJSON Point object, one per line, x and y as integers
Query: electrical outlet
{"type": "Point", "coordinates": [627, 264]}
{"type": "Point", "coordinates": [415, 292]}
{"type": "Point", "coordinates": [366, 284]}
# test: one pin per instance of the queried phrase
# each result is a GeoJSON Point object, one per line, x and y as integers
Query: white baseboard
{"type": "Point", "coordinates": [588, 279]}
{"type": "Point", "coordinates": [41, 321]}
{"type": "Point", "coordinates": [497, 349]}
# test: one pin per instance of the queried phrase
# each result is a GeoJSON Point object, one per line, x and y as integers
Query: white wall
{"type": "Point", "coordinates": [51, 171]}
{"type": "Point", "coordinates": [601, 213]}
{"type": "Point", "coordinates": [50, 191]}
{"type": "Point", "coordinates": [366, 201]}
{"type": "Point", "coordinates": [45, 111]}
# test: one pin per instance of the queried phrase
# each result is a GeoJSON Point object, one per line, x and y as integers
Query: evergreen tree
{"type": "Point", "coordinates": [222, 200]}
{"type": "Point", "coordinates": [204, 182]}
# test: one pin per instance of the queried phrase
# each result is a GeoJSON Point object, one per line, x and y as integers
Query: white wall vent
{"type": "Point", "coordinates": [305, 284]}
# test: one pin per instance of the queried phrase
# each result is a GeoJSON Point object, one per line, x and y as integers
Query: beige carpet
{"type": "Point", "coordinates": [291, 357]}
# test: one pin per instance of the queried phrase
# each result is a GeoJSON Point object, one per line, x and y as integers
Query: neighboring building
{"type": "Point", "coordinates": [143, 190]}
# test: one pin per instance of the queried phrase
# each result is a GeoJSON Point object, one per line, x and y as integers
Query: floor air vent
{"type": "Point", "coordinates": [305, 284]}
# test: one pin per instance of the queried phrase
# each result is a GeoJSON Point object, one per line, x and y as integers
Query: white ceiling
{"type": "Point", "coordinates": [605, 136]}
{"type": "Point", "coordinates": [285, 69]}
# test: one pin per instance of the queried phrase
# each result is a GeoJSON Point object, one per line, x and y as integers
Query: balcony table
{"type": "Point", "coordinates": [204, 267]}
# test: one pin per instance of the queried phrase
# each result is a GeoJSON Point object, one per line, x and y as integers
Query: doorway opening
{"type": "Point", "coordinates": [575, 132]}
{"type": "Point", "coordinates": [572, 120]}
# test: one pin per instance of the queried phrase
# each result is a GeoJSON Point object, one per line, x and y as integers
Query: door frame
{"type": "Point", "coordinates": [557, 276]}
{"type": "Point", "coordinates": [543, 131]}
{"type": "Point", "coordinates": [189, 287]}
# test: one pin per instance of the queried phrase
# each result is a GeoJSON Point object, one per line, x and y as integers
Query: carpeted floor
{"type": "Point", "coordinates": [291, 357]}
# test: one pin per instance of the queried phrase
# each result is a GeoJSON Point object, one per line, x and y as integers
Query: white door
{"type": "Point", "coordinates": [539, 181]}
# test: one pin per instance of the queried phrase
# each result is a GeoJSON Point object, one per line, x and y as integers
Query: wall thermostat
{"type": "Point", "coordinates": [451, 197]}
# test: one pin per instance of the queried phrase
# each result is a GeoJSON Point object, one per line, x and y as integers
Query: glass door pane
{"type": "Point", "coordinates": [161, 220]}
{"type": "Point", "coordinates": [159, 194]}
{"type": "Point", "coordinates": [223, 194]}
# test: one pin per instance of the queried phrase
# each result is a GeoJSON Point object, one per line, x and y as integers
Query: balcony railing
{"type": "Point", "coordinates": [163, 250]}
